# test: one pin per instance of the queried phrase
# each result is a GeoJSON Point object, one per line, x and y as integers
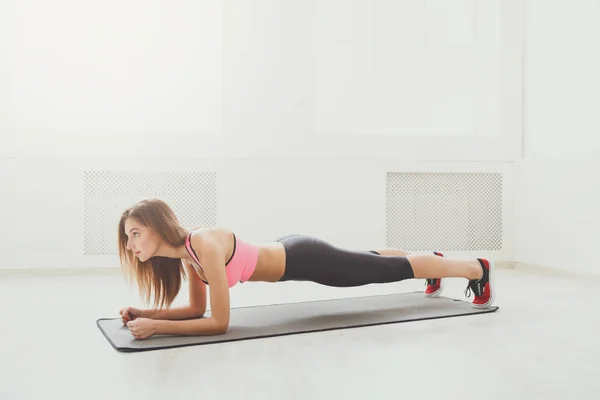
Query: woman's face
{"type": "Point", "coordinates": [141, 240]}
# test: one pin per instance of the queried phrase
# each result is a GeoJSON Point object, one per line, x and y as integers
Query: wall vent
{"type": "Point", "coordinates": [444, 211]}
{"type": "Point", "coordinates": [192, 195]}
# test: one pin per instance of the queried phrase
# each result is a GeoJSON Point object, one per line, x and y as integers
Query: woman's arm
{"type": "Point", "coordinates": [182, 312]}
{"type": "Point", "coordinates": [197, 303]}
{"type": "Point", "coordinates": [211, 257]}
{"type": "Point", "coordinates": [203, 326]}
{"type": "Point", "coordinates": [197, 306]}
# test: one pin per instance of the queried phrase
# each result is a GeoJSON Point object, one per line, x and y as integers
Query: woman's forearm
{"type": "Point", "coordinates": [203, 326]}
{"type": "Point", "coordinates": [183, 312]}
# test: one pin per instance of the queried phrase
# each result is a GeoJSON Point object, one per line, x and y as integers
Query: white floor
{"type": "Point", "coordinates": [544, 343]}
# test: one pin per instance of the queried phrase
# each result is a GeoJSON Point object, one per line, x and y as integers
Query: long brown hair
{"type": "Point", "coordinates": [161, 276]}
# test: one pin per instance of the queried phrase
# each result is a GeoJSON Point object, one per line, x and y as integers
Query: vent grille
{"type": "Point", "coordinates": [444, 211]}
{"type": "Point", "coordinates": [191, 195]}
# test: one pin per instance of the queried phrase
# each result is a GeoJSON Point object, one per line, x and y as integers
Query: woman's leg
{"type": "Point", "coordinates": [392, 252]}
{"type": "Point", "coordinates": [432, 266]}
{"type": "Point", "coordinates": [433, 286]}
{"type": "Point", "coordinates": [315, 260]}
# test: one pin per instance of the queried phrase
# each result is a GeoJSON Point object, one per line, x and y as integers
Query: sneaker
{"type": "Point", "coordinates": [434, 286]}
{"type": "Point", "coordinates": [482, 288]}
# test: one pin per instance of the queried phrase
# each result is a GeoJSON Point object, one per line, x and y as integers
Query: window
{"type": "Point", "coordinates": [413, 68]}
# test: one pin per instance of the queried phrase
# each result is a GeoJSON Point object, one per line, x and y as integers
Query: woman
{"type": "Point", "coordinates": [157, 251]}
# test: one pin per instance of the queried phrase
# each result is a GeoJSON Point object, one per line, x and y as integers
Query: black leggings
{"type": "Point", "coordinates": [312, 259]}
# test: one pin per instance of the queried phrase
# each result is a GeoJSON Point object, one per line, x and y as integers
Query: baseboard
{"type": "Point", "coordinates": [504, 264]}
{"type": "Point", "coordinates": [111, 271]}
{"type": "Point", "coordinates": [546, 270]}
{"type": "Point", "coordinates": [61, 271]}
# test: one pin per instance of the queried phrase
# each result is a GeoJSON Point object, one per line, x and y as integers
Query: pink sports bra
{"type": "Point", "coordinates": [241, 264]}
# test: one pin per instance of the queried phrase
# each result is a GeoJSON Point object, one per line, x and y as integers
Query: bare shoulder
{"type": "Point", "coordinates": [215, 238]}
{"type": "Point", "coordinates": [210, 232]}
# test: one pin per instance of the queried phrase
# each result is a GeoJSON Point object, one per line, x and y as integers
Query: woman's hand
{"type": "Point", "coordinates": [129, 314]}
{"type": "Point", "coordinates": [142, 328]}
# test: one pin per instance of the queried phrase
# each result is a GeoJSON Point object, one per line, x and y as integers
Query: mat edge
{"type": "Point", "coordinates": [476, 311]}
{"type": "Point", "coordinates": [137, 350]}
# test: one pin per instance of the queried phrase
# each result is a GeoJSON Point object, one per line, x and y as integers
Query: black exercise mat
{"type": "Point", "coordinates": [313, 316]}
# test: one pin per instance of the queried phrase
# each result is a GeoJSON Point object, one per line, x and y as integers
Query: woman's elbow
{"type": "Point", "coordinates": [220, 327]}
{"type": "Point", "coordinates": [198, 312]}
{"type": "Point", "coordinates": [221, 331]}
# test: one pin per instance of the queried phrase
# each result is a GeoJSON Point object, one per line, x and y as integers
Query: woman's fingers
{"type": "Point", "coordinates": [125, 314]}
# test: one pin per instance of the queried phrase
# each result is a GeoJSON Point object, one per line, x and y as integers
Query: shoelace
{"type": "Point", "coordinates": [430, 282]}
{"type": "Point", "coordinates": [468, 291]}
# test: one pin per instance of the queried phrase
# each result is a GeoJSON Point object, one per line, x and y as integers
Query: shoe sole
{"type": "Point", "coordinates": [492, 288]}
{"type": "Point", "coordinates": [438, 292]}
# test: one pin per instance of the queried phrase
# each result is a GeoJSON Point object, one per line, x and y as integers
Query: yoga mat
{"type": "Point", "coordinates": [313, 316]}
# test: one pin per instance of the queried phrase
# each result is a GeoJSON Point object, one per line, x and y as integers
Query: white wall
{"type": "Point", "coordinates": [282, 79]}
{"type": "Point", "coordinates": [304, 104]}
{"type": "Point", "coordinates": [343, 201]}
{"type": "Point", "coordinates": [558, 181]}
